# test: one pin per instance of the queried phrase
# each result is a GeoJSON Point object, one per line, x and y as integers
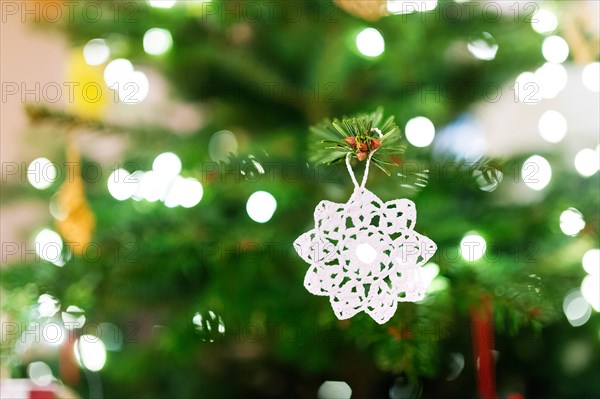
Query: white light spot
{"type": "Point", "coordinates": [591, 262]}
{"type": "Point", "coordinates": [49, 246]}
{"type": "Point", "coordinates": [576, 308]}
{"type": "Point", "coordinates": [48, 305]}
{"type": "Point", "coordinates": [184, 192]}
{"type": "Point", "coordinates": [39, 373]}
{"type": "Point", "coordinates": [591, 76]}
{"type": "Point", "coordinates": [571, 222]}
{"type": "Point", "coordinates": [261, 206]}
{"type": "Point", "coordinates": [134, 88]}
{"type": "Point", "coordinates": [552, 79]}
{"type": "Point", "coordinates": [222, 144]}
{"type": "Point", "coordinates": [167, 164]}
{"type": "Point", "coordinates": [41, 173]}
{"type": "Point", "coordinates": [122, 185]}
{"type": "Point", "coordinates": [162, 3]}
{"type": "Point", "coordinates": [536, 172]}
{"type": "Point", "coordinates": [157, 41]}
{"type": "Point", "coordinates": [73, 317]}
{"type": "Point", "coordinates": [152, 187]}
{"type": "Point", "coordinates": [370, 42]}
{"type": "Point", "coordinates": [587, 162]}
{"type": "Point", "coordinates": [544, 21]}
{"type": "Point", "coordinates": [176, 193]}
{"type": "Point", "coordinates": [334, 390]}
{"type": "Point", "coordinates": [590, 289]}
{"type": "Point", "coordinates": [96, 52]}
{"type": "Point", "coordinates": [116, 72]}
{"type": "Point", "coordinates": [420, 131]}
{"type": "Point", "coordinates": [552, 126]}
{"type": "Point", "coordinates": [472, 247]}
{"type": "Point", "coordinates": [90, 352]}
{"type": "Point", "coordinates": [366, 253]}
{"type": "Point", "coordinates": [555, 49]}
{"type": "Point", "coordinates": [527, 88]}
{"type": "Point", "coordinates": [483, 46]}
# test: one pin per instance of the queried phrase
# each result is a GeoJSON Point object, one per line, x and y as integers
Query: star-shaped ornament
{"type": "Point", "coordinates": [365, 255]}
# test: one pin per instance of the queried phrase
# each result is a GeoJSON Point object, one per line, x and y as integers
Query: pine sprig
{"type": "Point", "coordinates": [332, 141]}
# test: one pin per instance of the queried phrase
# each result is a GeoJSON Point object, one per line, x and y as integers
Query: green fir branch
{"type": "Point", "coordinates": [328, 144]}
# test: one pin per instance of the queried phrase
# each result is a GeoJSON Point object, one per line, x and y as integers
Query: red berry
{"type": "Point", "coordinates": [351, 141]}
{"type": "Point", "coordinates": [375, 144]}
{"type": "Point", "coordinates": [361, 155]}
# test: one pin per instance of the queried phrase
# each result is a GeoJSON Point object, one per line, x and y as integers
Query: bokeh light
{"type": "Point", "coordinates": [48, 305]}
{"type": "Point", "coordinates": [157, 41]}
{"type": "Point", "coordinates": [420, 131]}
{"type": "Point", "coordinates": [536, 172]}
{"type": "Point", "coordinates": [472, 247]}
{"type": "Point", "coordinates": [571, 222]}
{"type": "Point", "coordinates": [41, 173]}
{"type": "Point", "coordinates": [555, 49]}
{"type": "Point", "coordinates": [40, 373]}
{"type": "Point", "coordinates": [122, 185]}
{"type": "Point", "coordinates": [552, 126]}
{"type": "Point", "coordinates": [483, 46]}
{"type": "Point", "coordinates": [552, 79]}
{"type": "Point", "coordinates": [162, 3]}
{"type": "Point", "coordinates": [527, 88]}
{"type": "Point", "coordinates": [370, 42]}
{"type": "Point", "coordinates": [96, 52]}
{"type": "Point", "coordinates": [587, 162]}
{"type": "Point", "coordinates": [184, 192]}
{"type": "Point", "coordinates": [116, 72]}
{"type": "Point", "coordinates": [591, 262]}
{"type": "Point", "coordinates": [49, 247]}
{"type": "Point", "coordinates": [73, 317]}
{"type": "Point", "coordinates": [261, 206]}
{"type": "Point", "coordinates": [135, 88]}
{"type": "Point", "coordinates": [576, 308]}
{"type": "Point", "coordinates": [591, 76]}
{"type": "Point", "coordinates": [334, 390]}
{"type": "Point", "coordinates": [222, 145]}
{"type": "Point", "coordinates": [489, 178]}
{"type": "Point", "coordinates": [90, 352]}
{"type": "Point", "coordinates": [544, 21]}
{"type": "Point", "coordinates": [590, 289]}
{"type": "Point", "coordinates": [167, 164]}
{"type": "Point", "coordinates": [152, 187]}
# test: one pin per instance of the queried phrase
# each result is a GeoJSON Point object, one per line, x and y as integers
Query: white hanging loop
{"type": "Point", "coordinates": [350, 170]}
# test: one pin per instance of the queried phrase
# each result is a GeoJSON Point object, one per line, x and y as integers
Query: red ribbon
{"type": "Point", "coordinates": [482, 330]}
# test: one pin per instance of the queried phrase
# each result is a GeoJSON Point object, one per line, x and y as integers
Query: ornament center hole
{"type": "Point", "coordinates": [366, 253]}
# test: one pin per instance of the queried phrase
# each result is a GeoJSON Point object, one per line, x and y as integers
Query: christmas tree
{"type": "Point", "coordinates": [170, 271]}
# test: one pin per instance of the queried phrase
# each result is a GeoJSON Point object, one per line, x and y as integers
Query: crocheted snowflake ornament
{"type": "Point", "coordinates": [365, 255]}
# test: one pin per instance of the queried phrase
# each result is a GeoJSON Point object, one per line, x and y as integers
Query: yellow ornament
{"type": "Point", "coordinates": [77, 221]}
{"type": "Point", "coordinates": [88, 95]}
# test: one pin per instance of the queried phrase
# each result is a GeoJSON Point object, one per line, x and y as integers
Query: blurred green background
{"type": "Point", "coordinates": [196, 292]}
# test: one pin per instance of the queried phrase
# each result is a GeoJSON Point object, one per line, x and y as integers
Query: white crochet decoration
{"type": "Point", "coordinates": [365, 254]}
